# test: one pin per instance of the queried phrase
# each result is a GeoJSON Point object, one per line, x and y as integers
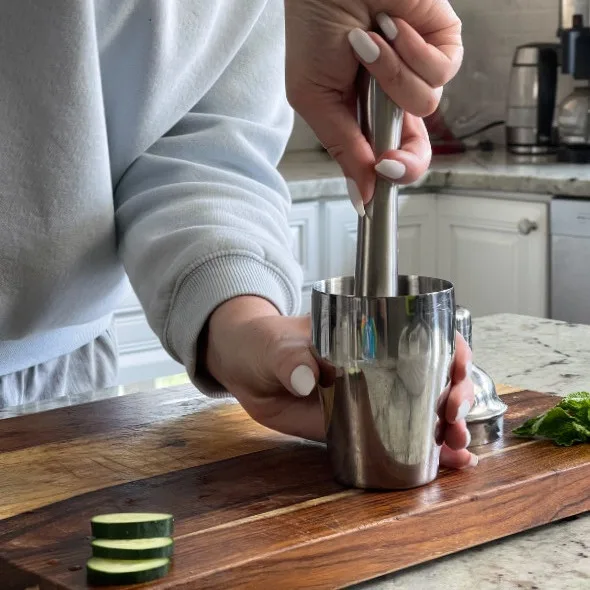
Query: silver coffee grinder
{"type": "Point", "coordinates": [387, 340]}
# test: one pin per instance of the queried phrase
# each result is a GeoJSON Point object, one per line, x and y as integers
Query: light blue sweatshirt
{"type": "Point", "coordinates": [139, 136]}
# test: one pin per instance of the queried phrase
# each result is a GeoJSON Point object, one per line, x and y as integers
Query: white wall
{"type": "Point", "coordinates": [492, 29]}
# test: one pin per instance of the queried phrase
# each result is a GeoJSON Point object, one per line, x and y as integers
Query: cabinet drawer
{"type": "Point", "coordinates": [304, 224]}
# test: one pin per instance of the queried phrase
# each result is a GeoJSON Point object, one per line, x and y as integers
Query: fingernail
{"type": "Point", "coordinates": [463, 410]}
{"type": "Point", "coordinates": [391, 169]}
{"type": "Point", "coordinates": [355, 196]}
{"type": "Point", "coordinates": [364, 46]}
{"type": "Point", "coordinates": [473, 460]}
{"type": "Point", "coordinates": [302, 380]}
{"type": "Point", "coordinates": [467, 438]}
{"type": "Point", "coordinates": [439, 431]}
{"type": "Point", "coordinates": [387, 26]}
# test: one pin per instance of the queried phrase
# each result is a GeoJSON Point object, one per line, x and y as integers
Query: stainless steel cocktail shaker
{"type": "Point", "coordinates": [387, 341]}
{"type": "Point", "coordinates": [389, 360]}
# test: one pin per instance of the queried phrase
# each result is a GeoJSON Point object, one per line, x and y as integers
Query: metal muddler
{"type": "Point", "coordinates": [384, 341]}
{"type": "Point", "coordinates": [381, 122]}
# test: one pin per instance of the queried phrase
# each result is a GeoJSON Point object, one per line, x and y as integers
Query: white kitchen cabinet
{"type": "Point", "coordinates": [495, 251]}
{"type": "Point", "coordinates": [304, 221]}
{"type": "Point", "coordinates": [416, 236]}
{"type": "Point", "coordinates": [141, 356]}
{"type": "Point", "coordinates": [304, 224]}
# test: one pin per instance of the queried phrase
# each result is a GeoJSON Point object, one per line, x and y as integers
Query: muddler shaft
{"type": "Point", "coordinates": [377, 254]}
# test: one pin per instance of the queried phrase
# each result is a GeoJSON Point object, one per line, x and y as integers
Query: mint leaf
{"type": "Point", "coordinates": [565, 424]}
{"type": "Point", "coordinates": [577, 405]}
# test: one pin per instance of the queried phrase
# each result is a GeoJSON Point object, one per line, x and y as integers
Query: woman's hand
{"type": "Point", "coordinates": [417, 51]}
{"type": "Point", "coordinates": [265, 360]}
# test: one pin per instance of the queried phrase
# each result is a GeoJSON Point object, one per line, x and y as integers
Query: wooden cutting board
{"type": "Point", "coordinates": [254, 509]}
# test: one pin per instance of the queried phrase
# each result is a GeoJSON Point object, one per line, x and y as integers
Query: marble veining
{"type": "Point", "coordinates": [312, 174]}
{"type": "Point", "coordinates": [533, 353]}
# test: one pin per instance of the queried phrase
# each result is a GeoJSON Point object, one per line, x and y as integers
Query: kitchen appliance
{"type": "Point", "coordinates": [532, 96]}
{"type": "Point", "coordinates": [485, 420]}
{"type": "Point", "coordinates": [570, 253]}
{"type": "Point", "coordinates": [570, 8]}
{"type": "Point", "coordinates": [573, 118]}
{"type": "Point", "coordinates": [385, 342]}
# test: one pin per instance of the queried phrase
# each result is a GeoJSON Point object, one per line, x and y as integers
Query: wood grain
{"type": "Point", "coordinates": [64, 469]}
{"type": "Point", "coordinates": [116, 441]}
{"type": "Point", "coordinates": [101, 417]}
{"type": "Point", "coordinates": [259, 510]}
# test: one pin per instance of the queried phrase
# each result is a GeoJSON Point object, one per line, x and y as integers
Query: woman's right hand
{"type": "Point", "coordinates": [419, 51]}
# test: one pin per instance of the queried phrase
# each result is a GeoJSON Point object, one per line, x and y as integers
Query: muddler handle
{"type": "Point", "coordinates": [381, 122]}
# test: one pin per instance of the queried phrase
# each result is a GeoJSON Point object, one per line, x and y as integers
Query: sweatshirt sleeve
{"type": "Point", "coordinates": [202, 214]}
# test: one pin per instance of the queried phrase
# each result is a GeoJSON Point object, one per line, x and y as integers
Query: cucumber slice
{"type": "Point", "coordinates": [133, 548]}
{"type": "Point", "coordinates": [132, 525]}
{"type": "Point", "coordinates": [108, 572]}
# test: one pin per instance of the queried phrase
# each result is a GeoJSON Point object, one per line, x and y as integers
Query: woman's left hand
{"type": "Point", "coordinates": [266, 361]}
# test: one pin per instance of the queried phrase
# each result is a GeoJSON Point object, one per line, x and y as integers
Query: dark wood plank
{"type": "Point", "coordinates": [101, 417]}
{"type": "Point", "coordinates": [69, 468]}
{"type": "Point", "coordinates": [88, 463]}
{"type": "Point", "coordinates": [278, 510]}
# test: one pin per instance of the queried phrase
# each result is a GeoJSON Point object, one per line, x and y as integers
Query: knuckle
{"type": "Point", "coordinates": [430, 103]}
{"type": "Point", "coordinates": [395, 76]}
{"type": "Point", "coordinates": [440, 77]}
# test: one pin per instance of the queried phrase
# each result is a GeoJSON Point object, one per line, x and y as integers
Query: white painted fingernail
{"type": "Point", "coordinates": [302, 380]}
{"type": "Point", "coordinates": [391, 169]}
{"type": "Point", "coordinates": [387, 26]}
{"type": "Point", "coordinates": [467, 438]}
{"type": "Point", "coordinates": [355, 196]}
{"type": "Point", "coordinates": [364, 46]}
{"type": "Point", "coordinates": [463, 410]}
{"type": "Point", "coordinates": [473, 460]}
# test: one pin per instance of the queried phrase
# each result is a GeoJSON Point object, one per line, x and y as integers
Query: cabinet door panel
{"type": "Point", "coordinates": [416, 236]}
{"type": "Point", "coordinates": [495, 268]}
{"type": "Point", "coordinates": [304, 224]}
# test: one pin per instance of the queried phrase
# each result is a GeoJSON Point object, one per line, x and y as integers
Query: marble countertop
{"type": "Point", "coordinates": [521, 351]}
{"type": "Point", "coordinates": [312, 174]}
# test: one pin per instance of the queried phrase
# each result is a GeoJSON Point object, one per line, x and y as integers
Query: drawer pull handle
{"type": "Point", "coordinates": [526, 226]}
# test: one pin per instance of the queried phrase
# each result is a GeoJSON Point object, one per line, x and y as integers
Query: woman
{"type": "Point", "coordinates": [142, 137]}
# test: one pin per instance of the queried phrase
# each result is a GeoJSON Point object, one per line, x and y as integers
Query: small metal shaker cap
{"type": "Point", "coordinates": [485, 420]}
{"type": "Point", "coordinates": [463, 323]}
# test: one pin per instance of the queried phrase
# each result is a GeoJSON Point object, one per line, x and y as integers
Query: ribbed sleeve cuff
{"type": "Point", "coordinates": [205, 288]}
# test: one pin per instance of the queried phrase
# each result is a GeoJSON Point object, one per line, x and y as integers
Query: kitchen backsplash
{"type": "Point", "coordinates": [491, 32]}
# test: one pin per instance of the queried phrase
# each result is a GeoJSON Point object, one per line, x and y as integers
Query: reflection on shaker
{"type": "Point", "coordinates": [381, 412]}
